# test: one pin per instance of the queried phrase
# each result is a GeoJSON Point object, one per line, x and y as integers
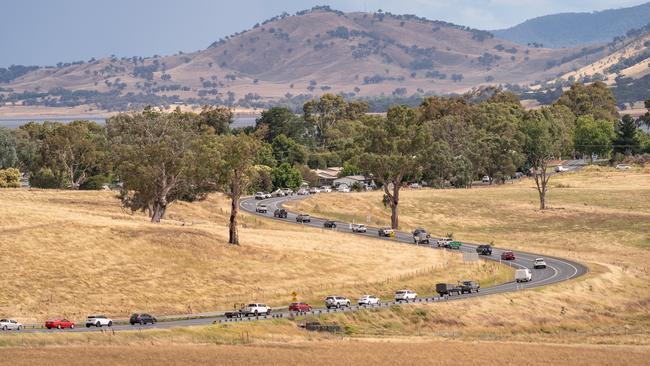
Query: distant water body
{"type": "Point", "coordinates": [238, 122]}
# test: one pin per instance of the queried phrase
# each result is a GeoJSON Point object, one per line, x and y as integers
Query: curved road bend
{"type": "Point", "coordinates": [557, 270]}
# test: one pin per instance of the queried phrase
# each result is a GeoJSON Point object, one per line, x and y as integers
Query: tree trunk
{"type": "Point", "coordinates": [233, 237]}
{"type": "Point", "coordinates": [394, 214]}
{"type": "Point", "coordinates": [541, 181]}
{"type": "Point", "coordinates": [158, 213]}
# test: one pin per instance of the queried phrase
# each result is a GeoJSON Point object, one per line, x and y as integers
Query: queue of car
{"type": "Point", "coordinates": [260, 309]}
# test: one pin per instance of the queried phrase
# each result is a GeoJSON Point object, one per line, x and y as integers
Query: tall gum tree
{"type": "Point", "coordinates": [394, 148]}
{"type": "Point", "coordinates": [548, 134]}
{"type": "Point", "coordinates": [236, 173]}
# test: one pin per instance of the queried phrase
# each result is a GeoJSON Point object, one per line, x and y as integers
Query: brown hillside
{"type": "Point", "coordinates": [335, 52]}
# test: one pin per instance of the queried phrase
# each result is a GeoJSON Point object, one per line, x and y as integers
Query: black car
{"type": "Point", "coordinates": [484, 249]}
{"type": "Point", "coordinates": [280, 213]}
{"type": "Point", "coordinates": [142, 319]}
{"type": "Point", "coordinates": [469, 286]}
{"type": "Point", "coordinates": [329, 224]}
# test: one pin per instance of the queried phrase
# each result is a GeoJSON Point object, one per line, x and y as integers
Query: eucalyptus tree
{"type": "Point", "coordinates": [393, 148]}
{"type": "Point", "coordinates": [547, 135]}
{"type": "Point", "coordinates": [158, 158]}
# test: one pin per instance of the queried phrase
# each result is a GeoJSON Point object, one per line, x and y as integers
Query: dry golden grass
{"type": "Point", "coordinates": [600, 217]}
{"type": "Point", "coordinates": [75, 253]}
{"type": "Point", "coordinates": [404, 352]}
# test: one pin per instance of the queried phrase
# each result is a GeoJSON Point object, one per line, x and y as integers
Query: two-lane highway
{"type": "Point", "coordinates": [557, 270]}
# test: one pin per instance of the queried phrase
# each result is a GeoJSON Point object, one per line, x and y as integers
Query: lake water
{"type": "Point", "coordinates": [238, 122]}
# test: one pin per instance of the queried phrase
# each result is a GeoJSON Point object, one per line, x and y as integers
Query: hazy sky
{"type": "Point", "coordinates": [44, 32]}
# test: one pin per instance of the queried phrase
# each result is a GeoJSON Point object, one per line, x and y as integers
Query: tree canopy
{"type": "Point", "coordinates": [154, 155]}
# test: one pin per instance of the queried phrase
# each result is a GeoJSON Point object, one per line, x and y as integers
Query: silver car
{"type": "Point", "coordinates": [9, 324]}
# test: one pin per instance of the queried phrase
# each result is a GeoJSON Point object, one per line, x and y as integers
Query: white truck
{"type": "Point", "coordinates": [256, 309]}
{"type": "Point", "coordinates": [523, 275]}
{"type": "Point", "coordinates": [358, 228]}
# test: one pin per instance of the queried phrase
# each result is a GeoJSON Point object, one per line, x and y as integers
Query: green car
{"type": "Point", "coordinates": [455, 245]}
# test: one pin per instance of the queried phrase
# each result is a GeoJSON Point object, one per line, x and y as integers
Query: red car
{"type": "Point", "coordinates": [508, 256]}
{"type": "Point", "coordinates": [59, 324]}
{"type": "Point", "coordinates": [299, 306]}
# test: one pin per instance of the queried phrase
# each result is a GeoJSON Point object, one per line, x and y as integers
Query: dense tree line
{"type": "Point", "coordinates": [156, 158]}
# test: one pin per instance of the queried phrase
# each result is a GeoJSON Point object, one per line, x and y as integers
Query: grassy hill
{"type": "Point", "coordinates": [76, 253]}
{"type": "Point", "coordinates": [311, 52]}
{"type": "Point", "coordinates": [575, 29]}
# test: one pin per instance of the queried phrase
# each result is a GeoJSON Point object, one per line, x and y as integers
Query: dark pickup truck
{"type": "Point", "coordinates": [448, 289]}
{"type": "Point", "coordinates": [484, 249]}
{"type": "Point", "coordinates": [280, 213]}
{"type": "Point", "coordinates": [469, 287]}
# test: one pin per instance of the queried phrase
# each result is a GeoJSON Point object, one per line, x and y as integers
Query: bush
{"type": "Point", "coordinates": [44, 178]}
{"type": "Point", "coordinates": [94, 183]}
{"type": "Point", "coordinates": [357, 187]}
{"type": "Point", "coordinates": [10, 178]}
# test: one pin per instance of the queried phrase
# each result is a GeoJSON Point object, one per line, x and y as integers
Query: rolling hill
{"type": "Point", "coordinates": [296, 56]}
{"type": "Point", "coordinates": [576, 29]}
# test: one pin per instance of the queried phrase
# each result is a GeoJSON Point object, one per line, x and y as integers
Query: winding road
{"type": "Point", "coordinates": [557, 270]}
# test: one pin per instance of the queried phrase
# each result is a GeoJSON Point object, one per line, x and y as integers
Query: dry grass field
{"type": "Point", "coordinates": [76, 253]}
{"type": "Point", "coordinates": [384, 352]}
{"type": "Point", "coordinates": [600, 217]}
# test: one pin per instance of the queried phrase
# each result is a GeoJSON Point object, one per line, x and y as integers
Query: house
{"type": "Point", "coordinates": [350, 180]}
{"type": "Point", "coordinates": [326, 177]}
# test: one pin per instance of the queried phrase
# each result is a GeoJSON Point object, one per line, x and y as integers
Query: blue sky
{"type": "Point", "coordinates": [44, 32]}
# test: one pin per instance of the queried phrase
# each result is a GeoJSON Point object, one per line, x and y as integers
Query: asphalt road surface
{"type": "Point", "coordinates": [557, 270]}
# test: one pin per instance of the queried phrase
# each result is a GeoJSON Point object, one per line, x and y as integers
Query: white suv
{"type": "Point", "coordinates": [337, 302]}
{"type": "Point", "coordinates": [256, 309]}
{"type": "Point", "coordinates": [358, 228]}
{"type": "Point", "coordinates": [405, 295]}
{"type": "Point", "coordinates": [98, 321]}
{"type": "Point", "coordinates": [9, 324]}
{"type": "Point", "coordinates": [369, 300]}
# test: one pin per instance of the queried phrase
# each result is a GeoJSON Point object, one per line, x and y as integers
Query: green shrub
{"type": "Point", "coordinates": [44, 178]}
{"type": "Point", "coordinates": [94, 183]}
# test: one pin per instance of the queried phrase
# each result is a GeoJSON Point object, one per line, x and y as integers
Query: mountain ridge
{"type": "Point", "coordinates": [577, 28]}
{"type": "Point", "coordinates": [312, 52]}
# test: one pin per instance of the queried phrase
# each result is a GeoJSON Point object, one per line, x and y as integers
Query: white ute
{"type": "Point", "coordinates": [256, 309]}
{"type": "Point", "coordinates": [358, 228]}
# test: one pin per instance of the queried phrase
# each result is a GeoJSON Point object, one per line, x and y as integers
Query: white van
{"type": "Point", "coordinates": [523, 275]}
